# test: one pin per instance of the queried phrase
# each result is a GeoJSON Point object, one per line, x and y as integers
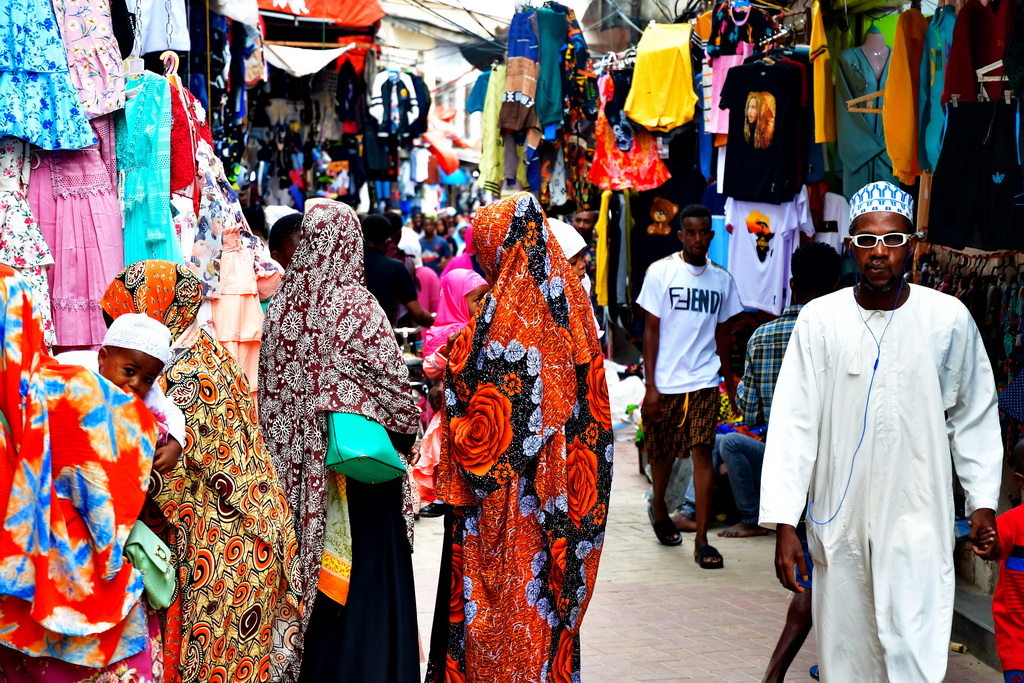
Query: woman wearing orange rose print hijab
{"type": "Point", "coordinates": [328, 347]}
{"type": "Point", "coordinates": [527, 463]}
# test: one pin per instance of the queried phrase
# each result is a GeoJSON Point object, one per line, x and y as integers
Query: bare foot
{"type": "Point", "coordinates": [682, 522]}
{"type": "Point", "coordinates": [743, 530]}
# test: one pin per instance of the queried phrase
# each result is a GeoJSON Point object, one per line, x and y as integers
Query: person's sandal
{"type": "Point", "coordinates": [709, 558]}
{"type": "Point", "coordinates": [665, 529]}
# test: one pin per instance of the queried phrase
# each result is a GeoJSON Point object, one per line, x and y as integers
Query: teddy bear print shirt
{"type": "Point", "coordinates": [690, 301]}
{"type": "Point", "coordinates": [763, 239]}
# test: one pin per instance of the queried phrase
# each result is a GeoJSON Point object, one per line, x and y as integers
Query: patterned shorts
{"type": "Point", "coordinates": [682, 426]}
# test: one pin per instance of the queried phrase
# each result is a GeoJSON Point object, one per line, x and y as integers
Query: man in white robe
{"type": "Point", "coordinates": [884, 388]}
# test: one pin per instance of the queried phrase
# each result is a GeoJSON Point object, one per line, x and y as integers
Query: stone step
{"type": "Point", "coordinates": [973, 625]}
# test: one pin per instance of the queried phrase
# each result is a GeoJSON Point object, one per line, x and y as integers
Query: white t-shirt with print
{"type": "Point", "coordinates": [763, 239]}
{"type": "Point", "coordinates": [690, 307]}
{"type": "Point", "coordinates": [836, 214]}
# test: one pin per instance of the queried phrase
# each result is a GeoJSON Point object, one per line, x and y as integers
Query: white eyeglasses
{"type": "Point", "coordinates": [869, 241]}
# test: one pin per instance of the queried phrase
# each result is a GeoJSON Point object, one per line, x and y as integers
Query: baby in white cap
{"type": "Point", "coordinates": [573, 245]}
{"type": "Point", "coordinates": [135, 350]}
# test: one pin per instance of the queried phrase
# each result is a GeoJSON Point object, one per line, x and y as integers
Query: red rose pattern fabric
{"type": "Point", "coordinates": [526, 460]}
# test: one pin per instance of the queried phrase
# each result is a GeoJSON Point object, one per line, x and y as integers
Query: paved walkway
{"type": "Point", "coordinates": [656, 616]}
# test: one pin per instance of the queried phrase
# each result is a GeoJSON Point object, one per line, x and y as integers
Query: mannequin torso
{"type": "Point", "coordinates": [876, 51]}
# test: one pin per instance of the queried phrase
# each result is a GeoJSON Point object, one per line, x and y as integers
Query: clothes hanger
{"type": "Point", "coordinates": [171, 62]}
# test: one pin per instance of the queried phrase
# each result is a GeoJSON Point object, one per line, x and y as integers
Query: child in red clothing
{"type": "Point", "coordinates": [1008, 601]}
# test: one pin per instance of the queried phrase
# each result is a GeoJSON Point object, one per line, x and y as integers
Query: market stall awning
{"type": "Point", "coordinates": [245, 11]}
{"type": "Point", "coordinates": [353, 13]}
{"type": "Point", "coordinates": [300, 61]}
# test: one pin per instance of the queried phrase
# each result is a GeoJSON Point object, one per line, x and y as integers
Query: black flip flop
{"type": "Point", "coordinates": [664, 529]}
{"type": "Point", "coordinates": [708, 552]}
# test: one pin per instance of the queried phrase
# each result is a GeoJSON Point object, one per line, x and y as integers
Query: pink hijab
{"type": "Point", "coordinates": [453, 310]}
{"type": "Point", "coordinates": [464, 261]}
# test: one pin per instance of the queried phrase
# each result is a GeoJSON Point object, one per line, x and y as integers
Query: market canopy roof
{"type": "Point", "coordinates": [354, 13]}
{"type": "Point", "coordinates": [300, 61]}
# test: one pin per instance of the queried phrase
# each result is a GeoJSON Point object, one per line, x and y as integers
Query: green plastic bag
{"type": "Point", "coordinates": [360, 448]}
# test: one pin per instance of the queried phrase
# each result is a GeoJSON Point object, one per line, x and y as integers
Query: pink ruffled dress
{"type": "Point", "coordinates": [73, 195]}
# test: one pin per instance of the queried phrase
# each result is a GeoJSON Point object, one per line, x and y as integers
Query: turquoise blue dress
{"type": "Point", "coordinates": [38, 101]}
{"type": "Point", "coordinates": [144, 167]}
{"type": "Point", "coordinates": [931, 117]}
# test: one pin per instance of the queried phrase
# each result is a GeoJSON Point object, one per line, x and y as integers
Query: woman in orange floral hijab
{"type": "Point", "coordinates": [526, 462]}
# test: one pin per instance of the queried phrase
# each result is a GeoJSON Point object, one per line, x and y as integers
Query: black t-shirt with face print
{"type": "Point", "coordinates": [764, 105]}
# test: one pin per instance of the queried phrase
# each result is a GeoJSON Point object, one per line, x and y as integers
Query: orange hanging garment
{"type": "Point", "coordinates": [899, 108]}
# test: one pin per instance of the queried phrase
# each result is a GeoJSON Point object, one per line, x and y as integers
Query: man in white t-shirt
{"type": "Point", "coordinates": [687, 343]}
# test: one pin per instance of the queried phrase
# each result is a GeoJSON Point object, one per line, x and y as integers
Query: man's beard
{"type": "Point", "coordinates": [887, 287]}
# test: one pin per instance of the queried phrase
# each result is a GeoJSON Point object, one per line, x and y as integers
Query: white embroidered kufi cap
{"type": "Point", "coordinates": [139, 332]}
{"type": "Point", "coordinates": [882, 196]}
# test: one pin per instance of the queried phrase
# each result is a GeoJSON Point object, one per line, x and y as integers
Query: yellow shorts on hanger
{"type": "Point", "coordinates": [662, 96]}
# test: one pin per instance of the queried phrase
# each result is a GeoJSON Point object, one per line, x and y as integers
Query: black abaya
{"type": "Point", "coordinates": [373, 637]}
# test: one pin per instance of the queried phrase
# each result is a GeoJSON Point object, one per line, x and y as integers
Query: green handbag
{"type": "Point", "coordinates": [360, 448]}
{"type": "Point", "coordinates": [152, 557]}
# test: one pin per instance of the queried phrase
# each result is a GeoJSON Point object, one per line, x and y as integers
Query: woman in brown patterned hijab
{"type": "Point", "coordinates": [328, 347]}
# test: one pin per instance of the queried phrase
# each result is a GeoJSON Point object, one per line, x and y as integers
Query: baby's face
{"type": "Point", "coordinates": [132, 371]}
{"type": "Point", "coordinates": [579, 264]}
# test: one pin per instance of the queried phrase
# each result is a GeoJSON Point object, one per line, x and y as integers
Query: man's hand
{"type": "Point", "coordinates": [789, 557]}
{"type": "Point", "coordinates": [167, 456]}
{"type": "Point", "coordinates": [652, 408]}
{"type": "Point", "coordinates": [983, 536]}
{"type": "Point", "coordinates": [422, 318]}
{"type": "Point", "coordinates": [988, 546]}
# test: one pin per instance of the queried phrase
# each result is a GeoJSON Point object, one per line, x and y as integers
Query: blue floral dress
{"type": "Point", "coordinates": [38, 101]}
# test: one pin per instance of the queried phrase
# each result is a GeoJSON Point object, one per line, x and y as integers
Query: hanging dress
{"type": "Point", "coordinates": [93, 55]}
{"type": "Point", "coordinates": [144, 171]}
{"type": "Point", "coordinates": [237, 314]}
{"type": "Point", "coordinates": [38, 101]}
{"type": "Point", "coordinates": [623, 160]}
{"type": "Point", "coordinates": [21, 243]}
{"type": "Point", "coordinates": [861, 137]}
{"type": "Point", "coordinates": [73, 195]}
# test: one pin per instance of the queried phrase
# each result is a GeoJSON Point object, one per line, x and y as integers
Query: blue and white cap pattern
{"type": "Point", "coordinates": [882, 196]}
